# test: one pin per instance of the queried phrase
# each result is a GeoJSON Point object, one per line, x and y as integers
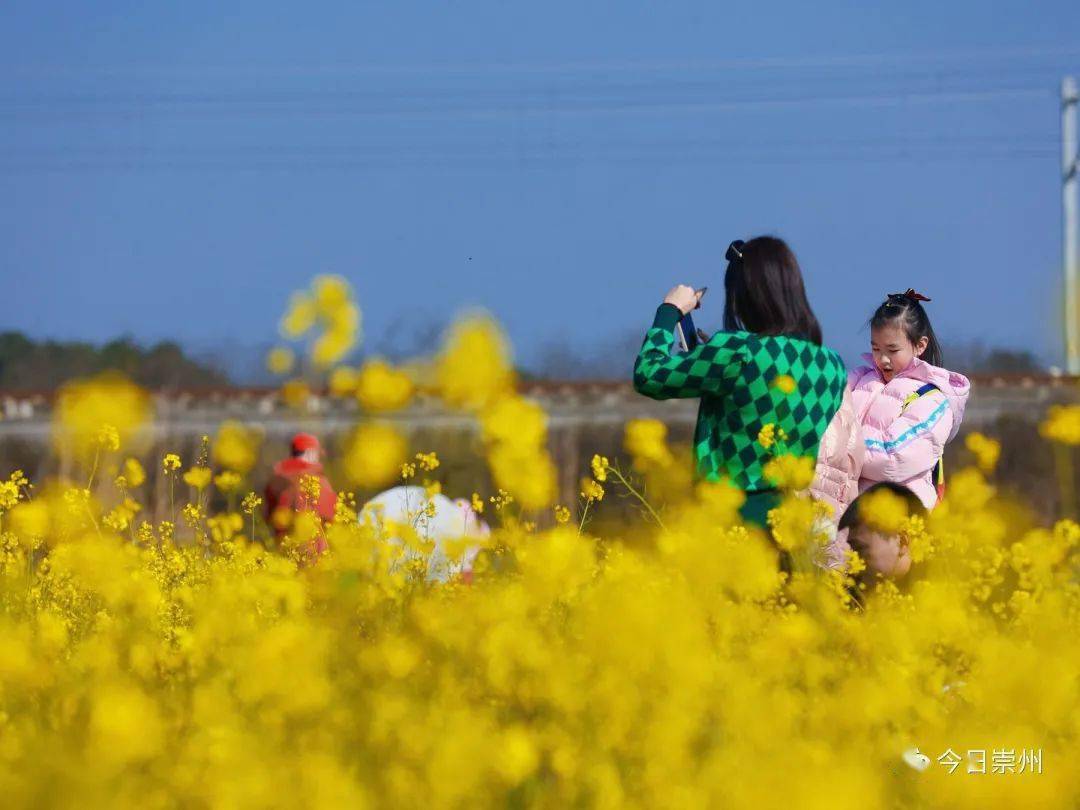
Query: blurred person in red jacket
{"type": "Point", "coordinates": [286, 493]}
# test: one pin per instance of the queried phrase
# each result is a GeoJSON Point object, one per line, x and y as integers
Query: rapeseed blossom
{"type": "Point", "coordinates": [514, 430]}
{"type": "Point", "coordinates": [373, 455]}
{"type": "Point", "coordinates": [1062, 424]}
{"type": "Point", "coordinates": [646, 442]}
{"type": "Point", "coordinates": [987, 451]}
{"type": "Point", "coordinates": [473, 369]}
{"type": "Point", "coordinates": [9, 495]}
{"type": "Point", "coordinates": [108, 438]}
{"type": "Point", "coordinates": [11, 490]}
{"type": "Point", "coordinates": [428, 462]}
{"type": "Point", "coordinates": [789, 472]}
{"type": "Point", "coordinates": [514, 420]}
{"type": "Point", "coordinates": [228, 481]}
{"type": "Point", "coordinates": [770, 435]}
{"type": "Point", "coordinates": [785, 384]}
{"type": "Point", "coordinates": [133, 472]}
{"type": "Point", "coordinates": [297, 394]}
{"type": "Point", "coordinates": [106, 411]}
{"type": "Point", "coordinates": [280, 360]}
{"type": "Point", "coordinates": [528, 473]}
{"type": "Point", "coordinates": [380, 388]}
{"type": "Point", "coordinates": [300, 316]}
{"type": "Point", "coordinates": [198, 477]}
{"type": "Point", "coordinates": [328, 315]}
{"type": "Point", "coordinates": [343, 381]}
{"type": "Point", "coordinates": [885, 511]}
{"type": "Point", "coordinates": [591, 490]}
{"type": "Point", "coordinates": [236, 447]}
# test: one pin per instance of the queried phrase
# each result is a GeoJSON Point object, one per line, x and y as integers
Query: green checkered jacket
{"type": "Point", "coordinates": [734, 375]}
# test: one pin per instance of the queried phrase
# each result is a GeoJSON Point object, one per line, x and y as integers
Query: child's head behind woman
{"type": "Point", "coordinates": [900, 331]}
{"type": "Point", "coordinates": [885, 554]}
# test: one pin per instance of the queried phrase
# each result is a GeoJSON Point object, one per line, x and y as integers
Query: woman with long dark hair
{"type": "Point", "coordinates": [767, 366]}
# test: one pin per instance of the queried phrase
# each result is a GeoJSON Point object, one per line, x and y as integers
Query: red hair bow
{"type": "Point", "coordinates": [911, 295]}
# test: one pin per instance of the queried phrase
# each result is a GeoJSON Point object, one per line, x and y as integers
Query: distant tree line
{"type": "Point", "coordinates": [978, 358]}
{"type": "Point", "coordinates": [27, 364]}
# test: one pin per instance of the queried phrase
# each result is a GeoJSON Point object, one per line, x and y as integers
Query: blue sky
{"type": "Point", "coordinates": [174, 172]}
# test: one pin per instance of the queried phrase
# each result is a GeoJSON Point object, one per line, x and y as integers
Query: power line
{"type": "Point", "coordinates": [251, 106]}
{"type": "Point", "coordinates": [919, 141]}
{"type": "Point", "coordinates": [520, 160]}
{"type": "Point", "coordinates": [525, 151]}
{"type": "Point", "coordinates": [953, 56]}
{"type": "Point", "coordinates": [622, 98]}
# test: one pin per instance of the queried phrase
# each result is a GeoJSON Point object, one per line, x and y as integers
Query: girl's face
{"type": "Point", "coordinates": [893, 351]}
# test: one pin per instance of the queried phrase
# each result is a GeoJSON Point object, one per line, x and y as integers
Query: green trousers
{"type": "Point", "coordinates": [756, 508]}
{"type": "Point", "coordinates": [755, 512]}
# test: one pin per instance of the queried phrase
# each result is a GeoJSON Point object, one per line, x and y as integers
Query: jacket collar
{"type": "Point", "coordinates": [918, 369]}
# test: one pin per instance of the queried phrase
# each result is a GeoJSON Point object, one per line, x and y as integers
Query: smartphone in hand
{"type": "Point", "coordinates": [686, 334]}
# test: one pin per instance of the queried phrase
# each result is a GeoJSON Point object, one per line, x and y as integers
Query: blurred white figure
{"type": "Point", "coordinates": [452, 520]}
{"type": "Point", "coordinates": [916, 759]}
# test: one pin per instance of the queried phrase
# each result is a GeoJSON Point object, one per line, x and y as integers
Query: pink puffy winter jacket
{"type": "Point", "coordinates": [840, 460]}
{"type": "Point", "coordinates": [904, 444]}
{"type": "Point", "coordinates": [836, 476]}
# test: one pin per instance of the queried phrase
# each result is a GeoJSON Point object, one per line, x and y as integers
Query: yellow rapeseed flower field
{"type": "Point", "coordinates": [195, 663]}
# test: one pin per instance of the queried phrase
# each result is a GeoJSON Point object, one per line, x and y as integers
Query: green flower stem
{"type": "Point", "coordinates": [638, 495]}
{"type": "Point", "coordinates": [584, 513]}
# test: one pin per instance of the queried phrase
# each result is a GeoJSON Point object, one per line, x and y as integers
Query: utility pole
{"type": "Point", "coordinates": [1070, 208]}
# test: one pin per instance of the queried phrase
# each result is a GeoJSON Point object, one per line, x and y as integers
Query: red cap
{"type": "Point", "coordinates": [304, 441]}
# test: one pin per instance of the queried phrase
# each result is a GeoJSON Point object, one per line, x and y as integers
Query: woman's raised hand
{"type": "Point", "coordinates": [684, 297]}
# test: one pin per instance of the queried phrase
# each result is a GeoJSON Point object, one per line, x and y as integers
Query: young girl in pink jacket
{"type": "Point", "coordinates": [909, 407]}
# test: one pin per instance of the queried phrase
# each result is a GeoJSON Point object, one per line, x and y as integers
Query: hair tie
{"type": "Point", "coordinates": [734, 251]}
{"type": "Point", "coordinates": [910, 295]}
